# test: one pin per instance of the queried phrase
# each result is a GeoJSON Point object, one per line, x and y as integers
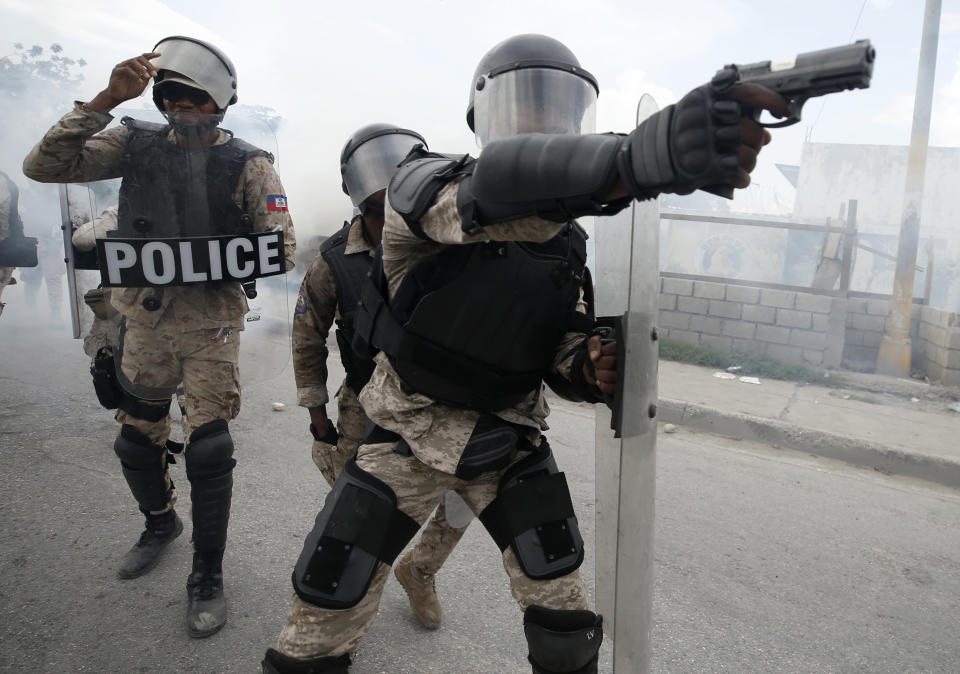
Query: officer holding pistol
{"type": "Point", "coordinates": [188, 178]}
{"type": "Point", "coordinates": [329, 293]}
{"type": "Point", "coordinates": [478, 301]}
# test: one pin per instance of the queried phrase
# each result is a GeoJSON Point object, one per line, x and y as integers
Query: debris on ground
{"type": "Point", "coordinates": [955, 407]}
{"type": "Point", "coordinates": [750, 380]}
{"type": "Point", "coordinates": [724, 375]}
{"type": "Point", "coordinates": [278, 406]}
{"type": "Point", "coordinates": [669, 428]}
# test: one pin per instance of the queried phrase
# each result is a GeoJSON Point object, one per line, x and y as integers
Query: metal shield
{"type": "Point", "coordinates": [626, 285]}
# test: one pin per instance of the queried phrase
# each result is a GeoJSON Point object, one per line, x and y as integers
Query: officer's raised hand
{"type": "Point", "coordinates": [704, 140]}
{"type": "Point", "coordinates": [601, 371]}
{"type": "Point", "coordinates": [127, 80]}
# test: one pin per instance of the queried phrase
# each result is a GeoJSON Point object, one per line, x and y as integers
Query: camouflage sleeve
{"type": "Point", "coordinates": [443, 224]}
{"type": "Point", "coordinates": [4, 209]}
{"type": "Point", "coordinates": [258, 182]}
{"type": "Point", "coordinates": [72, 151]}
{"type": "Point", "coordinates": [85, 236]}
{"type": "Point", "coordinates": [316, 309]}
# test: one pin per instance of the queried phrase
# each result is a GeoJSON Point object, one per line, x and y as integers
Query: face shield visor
{"type": "Point", "coordinates": [533, 100]}
{"type": "Point", "coordinates": [201, 64]}
{"type": "Point", "coordinates": [368, 169]}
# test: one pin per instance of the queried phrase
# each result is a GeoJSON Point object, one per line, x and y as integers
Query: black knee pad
{"type": "Point", "coordinates": [359, 526]}
{"type": "Point", "coordinates": [143, 468]}
{"type": "Point", "coordinates": [533, 514]}
{"type": "Point", "coordinates": [275, 662]}
{"type": "Point", "coordinates": [562, 642]}
{"type": "Point", "coordinates": [209, 453]}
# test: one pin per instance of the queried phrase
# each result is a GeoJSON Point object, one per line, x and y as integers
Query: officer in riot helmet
{"type": "Point", "coordinates": [477, 302]}
{"type": "Point", "coordinates": [186, 178]}
{"type": "Point", "coordinates": [328, 295]}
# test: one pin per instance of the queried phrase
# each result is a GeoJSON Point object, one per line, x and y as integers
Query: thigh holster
{"type": "Point", "coordinates": [112, 395]}
{"type": "Point", "coordinates": [533, 514]}
{"type": "Point", "coordinates": [562, 642]}
{"type": "Point", "coordinates": [143, 467]}
{"type": "Point", "coordinates": [358, 527]}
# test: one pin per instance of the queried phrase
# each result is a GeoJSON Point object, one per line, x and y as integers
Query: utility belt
{"type": "Point", "coordinates": [492, 446]}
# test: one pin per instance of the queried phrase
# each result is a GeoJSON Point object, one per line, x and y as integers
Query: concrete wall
{"type": "Point", "coordinates": [936, 348]}
{"type": "Point", "coordinates": [793, 327]}
{"type": "Point", "coordinates": [866, 325]}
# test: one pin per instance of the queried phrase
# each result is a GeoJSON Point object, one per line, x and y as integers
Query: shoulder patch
{"type": "Point", "coordinates": [301, 307]}
{"type": "Point", "coordinates": [276, 202]}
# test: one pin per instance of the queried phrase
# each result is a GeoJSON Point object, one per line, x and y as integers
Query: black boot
{"type": "Point", "coordinates": [275, 662]}
{"type": "Point", "coordinates": [159, 531]}
{"type": "Point", "coordinates": [206, 605]}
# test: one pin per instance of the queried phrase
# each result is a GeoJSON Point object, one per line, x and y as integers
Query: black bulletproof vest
{"type": "Point", "coordinates": [349, 275]}
{"type": "Point", "coordinates": [481, 322]}
{"type": "Point", "coordinates": [162, 195]}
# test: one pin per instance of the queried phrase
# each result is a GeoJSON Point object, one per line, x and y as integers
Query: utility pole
{"type": "Point", "coordinates": [894, 355]}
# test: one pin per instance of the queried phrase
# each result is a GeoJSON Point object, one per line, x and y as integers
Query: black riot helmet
{"type": "Point", "coordinates": [371, 156]}
{"type": "Point", "coordinates": [194, 63]}
{"type": "Point", "coordinates": [530, 83]}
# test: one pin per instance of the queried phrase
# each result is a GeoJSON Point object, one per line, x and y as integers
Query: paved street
{"type": "Point", "coordinates": [767, 560]}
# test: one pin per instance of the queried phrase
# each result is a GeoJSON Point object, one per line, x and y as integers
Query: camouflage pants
{"type": "Point", "coordinates": [312, 631]}
{"type": "Point", "coordinates": [171, 353]}
{"type": "Point", "coordinates": [439, 538]}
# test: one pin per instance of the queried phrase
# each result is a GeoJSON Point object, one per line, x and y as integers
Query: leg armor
{"type": "Point", "coordinates": [210, 463]}
{"type": "Point", "coordinates": [275, 662]}
{"type": "Point", "coordinates": [359, 526]}
{"type": "Point", "coordinates": [533, 514]}
{"type": "Point", "coordinates": [562, 641]}
{"type": "Point", "coordinates": [144, 469]}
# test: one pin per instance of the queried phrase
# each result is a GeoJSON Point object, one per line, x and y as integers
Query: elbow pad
{"type": "Point", "coordinates": [556, 177]}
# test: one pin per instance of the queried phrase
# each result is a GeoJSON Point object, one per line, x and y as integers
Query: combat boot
{"type": "Point", "coordinates": [421, 591]}
{"type": "Point", "coordinates": [159, 531]}
{"type": "Point", "coordinates": [275, 662]}
{"type": "Point", "coordinates": [206, 605]}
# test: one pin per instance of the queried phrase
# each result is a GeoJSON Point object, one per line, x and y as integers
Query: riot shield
{"type": "Point", "coordinates": [626, 287]}
{"type": "Point", "coordinates": [194, 238]}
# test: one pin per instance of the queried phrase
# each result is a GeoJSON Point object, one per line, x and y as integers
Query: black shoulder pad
{"type": "Point", "coordinates": [249, 150]}
{"type": "Point", "coordinates": [414, 187]}
{"type": "Point", "coordinates": [138, 125]}
{"type": "Point", "coordinates": [336, 239]}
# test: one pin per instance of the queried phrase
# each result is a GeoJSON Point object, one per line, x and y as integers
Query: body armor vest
{"type": "Point", "coordinates": [349, 274]}
{"type": "Point", "coordinates": [477, 326]}
{"type": "Point", "coordinates": [170, 192]}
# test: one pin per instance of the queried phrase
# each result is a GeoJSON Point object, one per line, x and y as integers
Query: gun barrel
{"type": "Point", "coordinates": [815, 73]}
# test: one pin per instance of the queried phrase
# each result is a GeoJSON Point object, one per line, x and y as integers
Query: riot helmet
{"type": "Point", "coordinates": [371, 156]}
{"type": "Point", "coordinates": [530, 84]}
{"type": "Point", "coordinates": [197, 64]}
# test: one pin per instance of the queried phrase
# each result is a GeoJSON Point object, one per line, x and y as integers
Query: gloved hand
{"type": "Point", "coordinates": [330, 435]}
{"type": "Point", "coordinates": [702, 141]}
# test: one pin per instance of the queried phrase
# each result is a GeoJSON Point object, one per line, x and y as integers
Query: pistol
{"type": "Point", "coordinates": [799, 79]}
{"type": "Point", "coordinates": [805, 76]}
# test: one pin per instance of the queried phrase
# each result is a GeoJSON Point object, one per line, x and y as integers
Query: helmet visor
{"type": "Point", "coordinates": [370, 167]}
{"type": "Point", "coordinates": [533, 100]}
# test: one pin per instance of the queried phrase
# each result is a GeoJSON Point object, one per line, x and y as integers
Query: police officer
{"type": "Point", "coordinates": [330, 292]}
{"type": "Point", "coordinates": [478, 303]}
{"type": "Point", "coordinates": [8, 218]}
{"type": "Point", "coordinates": [187, 334]}
{"type": "Point", "coordinates": [16, 250]}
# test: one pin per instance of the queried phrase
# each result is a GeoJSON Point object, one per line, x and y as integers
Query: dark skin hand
{"type": "Point", "coordinates": [318, 417]}
{"type": "Point", "coordinates": [127, 80]}
{"type": "Point", "coordinates": [752, 136]}
{"type": "Point", "coordinates": [604, 359]}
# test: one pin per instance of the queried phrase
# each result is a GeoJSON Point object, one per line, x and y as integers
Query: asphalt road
{"type": "Point", "coordinates": [767, 560]}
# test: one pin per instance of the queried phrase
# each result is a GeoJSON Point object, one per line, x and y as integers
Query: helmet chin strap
{"type": "Point", "coordinates": [195, 130]}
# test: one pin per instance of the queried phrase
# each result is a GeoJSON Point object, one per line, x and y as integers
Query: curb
{"type": "Point", "coordinates": [858, 452]}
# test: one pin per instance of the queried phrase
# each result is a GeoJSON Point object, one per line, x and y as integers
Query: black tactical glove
{"type": "Point", "coordinates": [330, 436]}
{"type": "Point", "coordinates": [685, 146]}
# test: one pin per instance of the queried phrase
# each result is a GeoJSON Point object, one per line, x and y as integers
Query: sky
{"type": "Point", "coordinates": [332, 67]}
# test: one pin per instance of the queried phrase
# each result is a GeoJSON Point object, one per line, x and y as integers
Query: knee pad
{"type": "Point", "coordinates": [533, 514]}
{"type": "Point", "coordinates": [358, 527]}
{"type": "Point", "coordinates": [143, 468]}
{"type": "Point", "coordinates": [209, 453]}
{"type": "Point", "coordinates": [564, 642]}
{"type": "Point", "coordinates": [275, 662]}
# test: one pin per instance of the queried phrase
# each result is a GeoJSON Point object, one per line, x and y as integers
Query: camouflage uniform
{"type": "Point", "coordinates": [194, 336]}
{"type": "Point", "coordinates": [313, 317]}
{"type": "Point", "coordinates": [5, 203]}
{"type": "Point", "coordinates": [437, 435]}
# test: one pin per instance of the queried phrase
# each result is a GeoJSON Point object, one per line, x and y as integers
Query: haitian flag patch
{"type": "Point", "coordinates": [276, 202]}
